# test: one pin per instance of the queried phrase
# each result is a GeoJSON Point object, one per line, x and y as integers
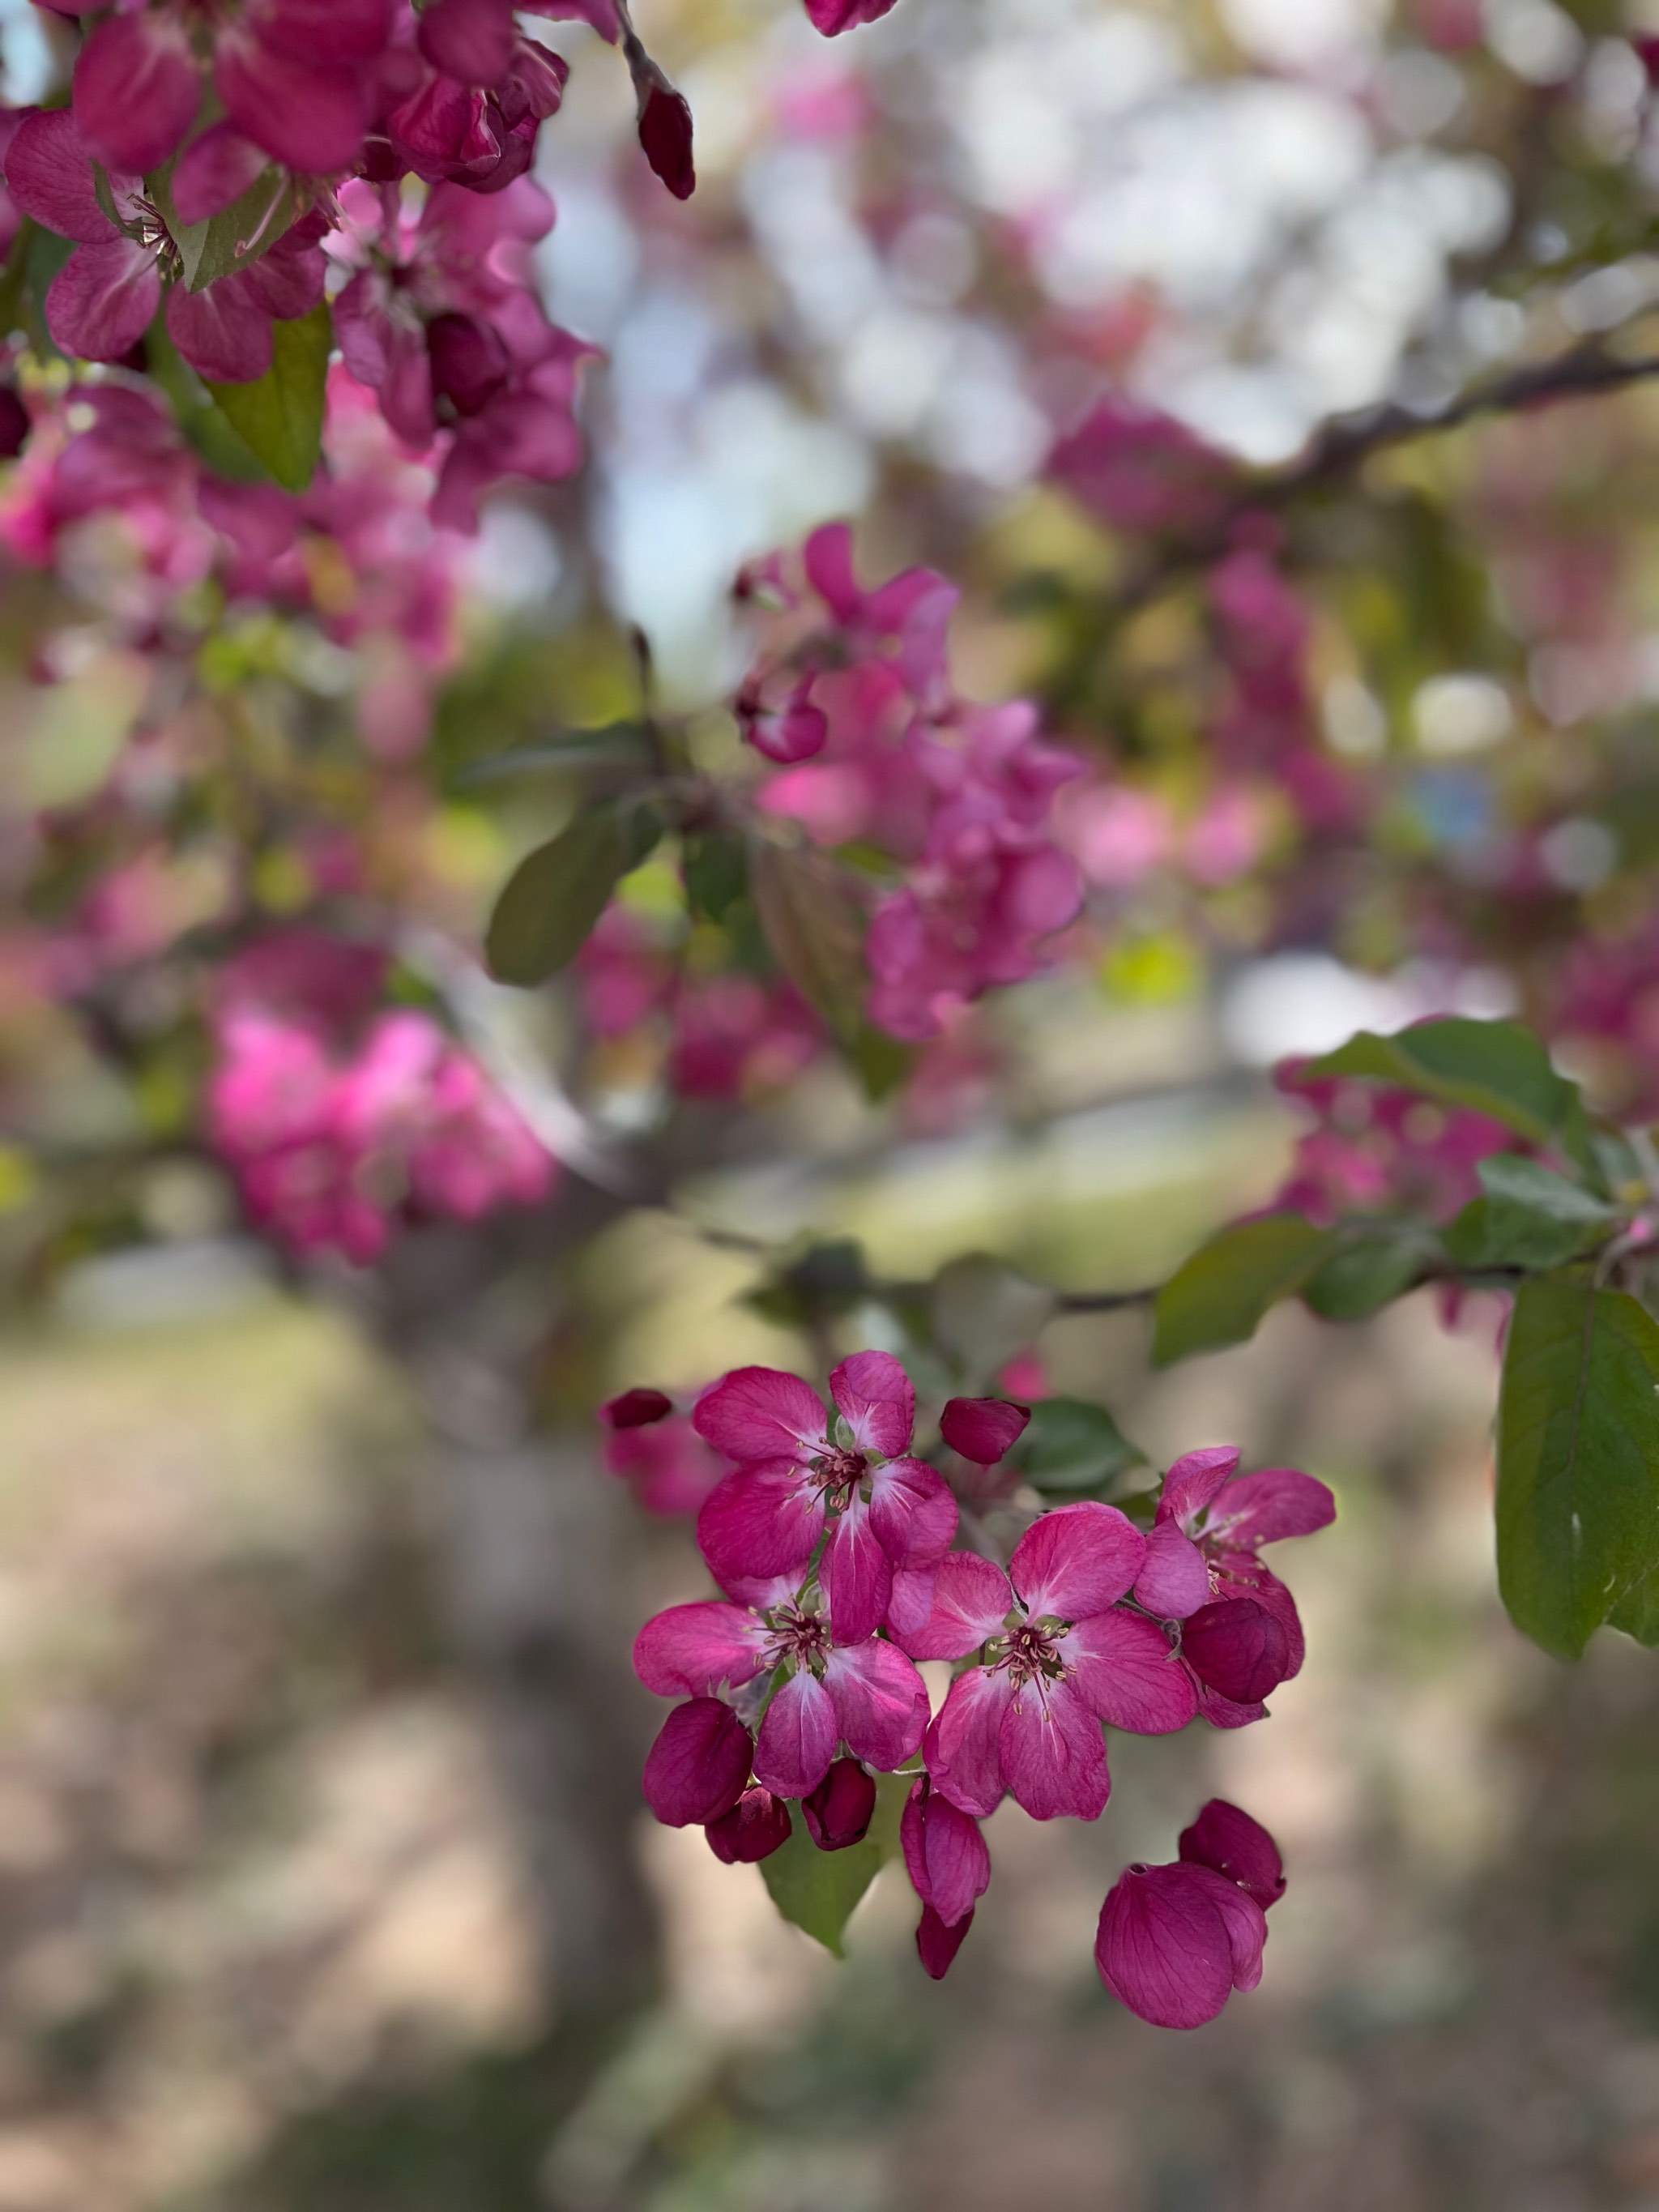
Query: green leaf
{"type": "Point", "coordinates": [266, 212]}
{"type": "Point", "coordinates": [279, 416]}
{"type": "Point", "coordinates": [617, 745]}
{"type": "Point", "coordinates": [1219, 1296]}
{"type": "Point", "coordinates": [819, 1890]}
{"type": "Point", "coordinates": [555, 896]}
{"type": "Point", "coordinates": [881, 1062]}
{"type": "Point", "coordinates": [1496, 1067]}
{"type": "Point", "coordinates": [1373, 1264]}
{"type": "Point", "coordinates": [715, 868]}
{"type": "Point", "coordinates": [813, 916]}
{"type": "Point", "coordinates": [985, 1313]}
{"type": "Point", "coordinates": [1073, 1449]}
{"type": "Point", "coordinates": [1578, 1464]}
{"type": "Point", "coordinates": [1530, 1217]}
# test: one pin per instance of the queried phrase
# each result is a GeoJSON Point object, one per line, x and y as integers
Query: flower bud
{"type": "Point", "coordinates": [635, 1409]}
{"type": "Point", "coordinates": [14, 422]}
{"type": "Point", "coordinates": [937, 1945]}
{"type": "Point", "coordinates": [698, 1767]}
{"type": "Point", "coordinates": [756, 1825]}
{"type": "Point", "coordinates": [838, 1811]}
{"type": "Point", "coordinates": [983, 1428]}
{"type": "Point", "coordinates": [666, 134]}
{"type": "Point", "coordinates": [1238, 1648]}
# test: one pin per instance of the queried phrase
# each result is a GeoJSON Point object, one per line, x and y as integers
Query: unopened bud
{"type": "Point", "coordinates": [756, 1825]}
{"type": "Point", "coordinates": [839, 1810]}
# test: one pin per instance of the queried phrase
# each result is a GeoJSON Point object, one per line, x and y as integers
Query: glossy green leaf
{"type": "Point", "coordinates": [1219, 1296]}
{"type": "Point", "coordinates": [1578, 1464]}
{"type": "Point", "coordinates": [555, 896]}
{"type": "Point", "coordinates": [1073, 1449]}
{"type": "Point", "coordinates": [1496, 1067]}
{"type": "Point", "coordinates": [813, 916]}
{"type": "Point", "coordinates": [817, 1890]}
{"type": "Point", "coordinates": [279, 416]}
{"type": "Point", "coordinates": [1529, 1217]}
{"type": "Point", "coordinates": [1372, 1264]}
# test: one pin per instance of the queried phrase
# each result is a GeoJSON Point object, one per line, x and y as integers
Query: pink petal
{"type": "Point", "coordinates": [1174, 1579]}
{"type": "Point", "coordinates": [856, 1575]}
{"type": "Point", "coordinates": [471, 41]}
{"type": "Point", "coordinates": [756, 1825]}
{"type": "Point", "coordinates": [310, 120]}
{"type": "Point", "coordinates": [839, 1811]}
{"type": "Point", "coordinates": [913, 1514]}
{"type": "Point", "coordinates": [1076, 1561]}
{"type": "Point", "coordinates": [911, 1600]}
{"type": "Point", "coordinates": [103, 299]}
{"type": "Point", "coordinates": [945, 1852]}
{"type": "Point", "coordinates": [1230, 1843]}
{"type": "Point", "coordinates": [832, 17]}
{"type": "Point", "coordinates": [1242, 1575]}
{"type": "Point", "coordinates": [601, 15]}
{"type": "Point", "coordinates": [136, 89]}
{"type": "Point", "coordinates": [290, 280]}
{"type": "Point", "coordinates": [635, 1409]}
{"type": "Point", "coordinates": [971, 1601]}
{"type": "Point", "coordinates": [827, 557]}
{"type": "Point", "coordinates": [878, 1400]}
{"type": "Point", "coordinates": [1263, 1507]}
{"type": "Point", "coordinates": [963, 1747]}
{"type": "Point", "coordinates": [1226, 1712]}
{"type": "Point", "coordinates": [760, 1521]}
{"type": "Point", "coordinates": [1163, 1948]}
{"type": "Point", "coordinates": [698, 1768]}
{"type": "Point", "coordinates": [880, 1702]}
{"type": "Point", "coordinates": [335, 32]}
{"type": "Point", "coordinates": [1237, 1647]}
{"type": "Point", "coordinates": [761, 1412]}
{"type": "Point", "coordinates": [692, 1648]}
{"type": "Point", "coordinates": [938, 1942]}
{"type": "Point", "coordinates": [1194, 1480]}
{"type": "Point", "coordinates": [1053, 1752]}
{"type": "Point", "coordinates": [214, 171]}
{"type": "Point", "coordinates": [1245, 1921]}
{"type": "Point", "coordinates": [49, 174]}
{"type": "Point", "coordinates": [1125, 1671]}
{"type": "Point", "coordinates": [983, 1428]}
{"type": "Point", "coordinates": [220, 332]}
{"type": "Point", "coordinates": [797, 1738]}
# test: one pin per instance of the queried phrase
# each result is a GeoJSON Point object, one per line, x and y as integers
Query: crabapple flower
{"type": "Point", "coordinates": [838, 1812]}
{"type": "Point", "coordinates": [658, 1453]}
{"type": "Point", "coordinates": [1230, 1841]}
{"type": "Point", "coordinates": [863, 1692]}
{"type": "Point", "coordinates": [950, 1869]}
{"type": "Point", "coordinates": [799, 1478]}
{"type": "Point", "coordinates": [983, 1429]}
{"type": "Point", "coordinates": [1058, 1656]}
{"type": "Point", "coordinates": [698, 1767]}
{"type": "Point", "coordinates": [1377, 1150]}
{"type": "Point", "coordinates": [756, 1825]}
{"type": "Point", "coordinates": [1175, 1942]}
{"type": "Point", "coordinates": [1140, 471]}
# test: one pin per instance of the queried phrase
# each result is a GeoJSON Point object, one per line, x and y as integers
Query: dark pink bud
{"type": "Point", "coordinates": [469, 363]}
{"type": "Point", "coordinates": [698, 1767]}
{"type": "Point", "coordinates": [1233, 1843]}
{"type": "Point", "coordinates": [1237, 1647]}
{"type": "Point", "coordinates": [983, 1428]}
{"type": "Point", "coordinates": [756, 1825]}
{"type": "Point", "coordinates": [666, 134]}
{"type": "Point", "coordinates": [635, 1409]}
{"type": "Point", "coordinates": [1175, 1943]}
{"type": "Point", "coordinates": [838, 1811]}
{"type": "Point", "coordinates": [14, 422]}
{"type": "Point", "coordinates": [832, 17]}
{"type": "Point", "coordinates": [938, 1945]}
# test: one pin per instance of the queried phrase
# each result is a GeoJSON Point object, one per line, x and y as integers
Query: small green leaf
{"type": "Point", "coordinates": [1073, 1449]}
{"type": "Point", "coordinates": [817, 1890]}
{"type": "Point", "coordinates": [555, 896]}
{"type": "Point", "coordinates": [1496, 1067]}
{"type": "Point", "coordinates": [1578, 1464]}
{"type": "Point", "coordinates": [1373, 1264]}
{"type": "Point", "coordinates": [1219, 1296]}
{"type": "Point", "coordinates": [279, 416]}
{"type": "Point", "coordinates": [715, 868]}
{"type": "Point", "coordinates": [1530, 1217]}
{"type": "Point", "coordinates": [812, 913]}
{"type": "Point", "coordinates": [617, 745]}
{"type": "Point", "coordinates": [266, 212]}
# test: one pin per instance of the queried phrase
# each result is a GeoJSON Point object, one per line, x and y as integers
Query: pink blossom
{"type": "Point", "coordinates": [799, 1478]}
{"type": "Point", "coordinates": [983, 1429]}
{"type": "Point", "coordinates": [838, 1812]}
{"type": "Point", "coordinates": [832, 17]}
{"type": "Point", "coordinates": [698, 1768]}
{"type": "Point", "coordinates": [1234, 1844]}
{"type": "Point", "coordinates": [657, 1452]}
{"type": "Point", "coordinates": [950, 1869]}
{"type": "Point", "coordinates": [1059, 1655]}
{"type": "Point", "coordinates": [1175, 1942]}
{"type": "Point", "coordinates": [1376, 1149]}
{"type": "Point", "coordinates": [1140, 471]}
{"type": "Point", "coordinates": [756, 1825]}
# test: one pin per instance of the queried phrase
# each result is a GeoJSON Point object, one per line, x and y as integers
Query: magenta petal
{"type": "Point", "coordinates": [797, 1738]}
{"type": "Point", "coordinates": [601, 15]}
{"type": "Point", "coordinates": [1264, 1508]}
{"type": "Point", "coordinates": [214, 171]}
{"type": "Point", "coordinates": [636, 1409]}
{"type": "Point", "coordinates": [983, 1428]}
{"type": "Point", "coordinates": [1162, 1948]}
{"type": "Point", "coordinates": [136, 89]}
{"type": "Point", "coordinates": [1053, 1752]}
{"type": "Point", "coordinates": [310, 120]}
{"type": "Point", "coordinates": [832, 17]}
{"type": "Point", "coordinates": [880, 1702]}
{"type": "Point", "coordinates": [1229, 1841]}
{"type": "Point", "coordinates": [911, 1600]}
{"type": "Point", "coordinates": [913, 1512]}
{"type": "Point", "coordinates": [945, 1851]}
{"type": "Point", "coordinates": [692, 1648]}
{"type": "Point", "coordinates": [696, 1769]}
{"type": "Point", "coordinates": [220, 332]}
{"type": "Point", "coordinates": [856, 1575]}
{"type": "Point", "coordinates": [1237, 1647]}
{"type": "Point", "coordinates": [938, 1941]}
{"type": "Point", "coordinates": [1245, 1576]}
{"type": "Point", "coordinates": [963, 1747]}
{"type": "Point", "coordinates": [471, 41]}
{"type": "Point", "coordinates": [290, 280]}
{"type": "Point", "coordinates": [335, 32]}
{"type": "Point", "coordinates": [839, 1811]}
{"type": "Point", "coordinates": [1194, 1480]}
{"type": "Point", "coordinates": [878, 1400]}
{"type": "Point", "coordinates": [761, 1412]}
{"type": "Point", "coordinates": [756, 1825]}
{"type": "Point", "coordinates": [760, 1519]}
{"type": "Point", "coordinates": [666, 136]}
{"type": "Point", "coordinates": [971, 1600]}
{"type": "Point", "coordinates": [827, 557]}
{"type": "Point", "coordinates": [1077, 1561]}
{"type": "Point", "coordinates": [49, 174]}
{"type": "Point", "coordinates": [103, 299]}
{"type": "Point", "coordinates": [1174, 1580]}
{"type": "Point", "coordinates": [1245, 1923]}
{"type": "Point", "coordinates": [1126, 1673]}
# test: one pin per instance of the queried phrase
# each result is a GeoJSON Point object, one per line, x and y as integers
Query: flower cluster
{"type": "Point", "coordinates": [854, 705]}
{"type": "Point", "coordinates": [1375, 1149]}
{"type": "Point", "coordinates": [338, 1122]}
{"type": "Point", "coordinates": [833, 1543]}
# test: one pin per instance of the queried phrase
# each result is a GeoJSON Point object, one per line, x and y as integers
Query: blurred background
{"type": "Point", "coordinates": [325, 1881]}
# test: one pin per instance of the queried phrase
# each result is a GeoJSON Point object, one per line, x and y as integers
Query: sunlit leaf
{"type": "Point", "coordinates": [279, 416]}
{"type": "Point", "coordinates": [1219, 1296]}
{"type": "Point", "coordinates": [556, 894]}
